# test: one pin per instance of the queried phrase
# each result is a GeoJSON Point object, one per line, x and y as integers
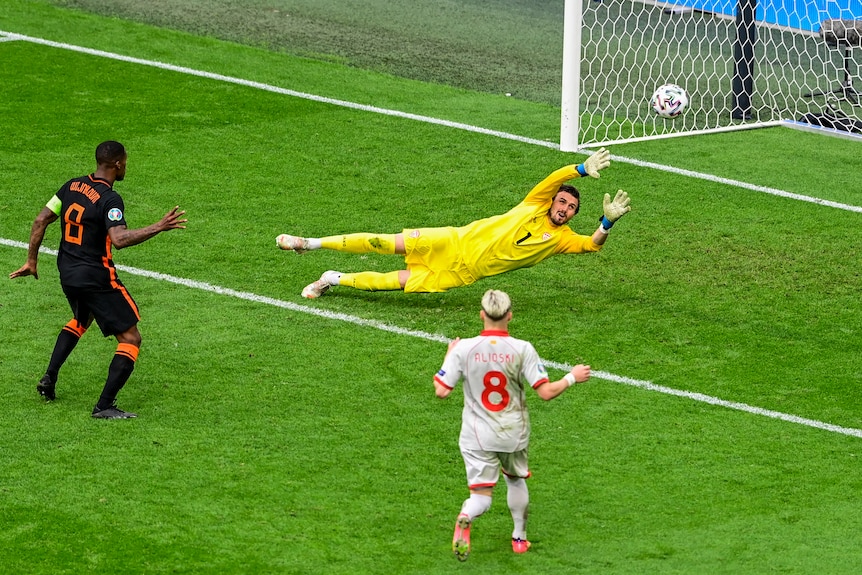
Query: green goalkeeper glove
{"type": "Point", "coordinates": [617, 208]}
{"type": "Point", "coordinates": [598, 161]}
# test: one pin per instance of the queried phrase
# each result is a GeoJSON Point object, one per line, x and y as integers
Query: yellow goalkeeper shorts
{"type": "Point", "coordinates": [433, 257]}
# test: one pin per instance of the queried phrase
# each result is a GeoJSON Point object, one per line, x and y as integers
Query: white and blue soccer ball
{"type": "Point", "coordinates": [669, 100]}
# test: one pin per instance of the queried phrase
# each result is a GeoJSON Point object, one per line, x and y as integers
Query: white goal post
{"type": "Point", "coordinates": [744, 63]}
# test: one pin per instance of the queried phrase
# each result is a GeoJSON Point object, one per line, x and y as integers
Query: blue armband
{"type": "Point", "coordinates": [581, 170]}
{"type": "Point", "coordinates": [606, 223]}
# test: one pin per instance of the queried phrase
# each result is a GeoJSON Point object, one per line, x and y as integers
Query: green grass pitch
{"type": "Point", "coordinates": [276, 436]}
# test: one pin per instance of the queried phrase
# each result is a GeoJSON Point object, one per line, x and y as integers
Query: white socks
{"type": "Point", "coordinates": [519, 500]}
{"type": "Point", "coordinates": [476, 505]}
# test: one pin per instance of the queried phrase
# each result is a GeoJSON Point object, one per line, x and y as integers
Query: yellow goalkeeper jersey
{"type": "Point", "coordinates": [523, 236]}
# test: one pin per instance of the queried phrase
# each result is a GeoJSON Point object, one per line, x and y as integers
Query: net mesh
{"type": "Point", "coordinates": [629, 48]}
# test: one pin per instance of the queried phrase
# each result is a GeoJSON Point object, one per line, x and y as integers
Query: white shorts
{"type": "Point", "coordinates": [483, 467]}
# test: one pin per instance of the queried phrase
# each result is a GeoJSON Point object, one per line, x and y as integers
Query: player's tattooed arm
{"type": "Point", "coordinates": [123, 237]}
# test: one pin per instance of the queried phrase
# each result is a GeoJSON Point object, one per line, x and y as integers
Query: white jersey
{"type": "Point", "coordinates": [495, 368]}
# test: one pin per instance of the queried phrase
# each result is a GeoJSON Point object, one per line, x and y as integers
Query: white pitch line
{"type": "Point", "coordinates": [738, 184]}
{"type": "Point", "coordinates": [419, 118]}
{"type": "Point", "coordinates": [647, 385]}
{"type": "Point", "coordinates": [278, 90]}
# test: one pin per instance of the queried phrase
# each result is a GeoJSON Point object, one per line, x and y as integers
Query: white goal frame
{"type": "Point", "coordinates": [616, 52]}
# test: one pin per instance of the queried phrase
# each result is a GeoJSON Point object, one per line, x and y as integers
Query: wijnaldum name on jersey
{"type": "Point", "coordinates": [87, 190]}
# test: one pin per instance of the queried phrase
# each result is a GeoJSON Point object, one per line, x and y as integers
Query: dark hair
{"type": "Point", "coordinates": [109, 152]}
{"type": "Point", "coordinates": [574, 192]}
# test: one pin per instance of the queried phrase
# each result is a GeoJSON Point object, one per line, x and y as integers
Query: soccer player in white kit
{"type": "Point", "coordinates": [495, 430]}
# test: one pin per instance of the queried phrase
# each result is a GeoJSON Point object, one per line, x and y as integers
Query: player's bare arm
{"type": "Point", "coordinates": [579, 374]}
{"type": "Point", "coordinates": [122, 237]}
{"type": "Point", "coordinates": [37, 233]}
{"type": "Point", "coordinates": [441, 390]}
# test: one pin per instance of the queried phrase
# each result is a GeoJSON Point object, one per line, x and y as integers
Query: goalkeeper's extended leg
{"type": "Point", "coordinates": [372, 281]}
{"type": "Point", "coordinates": [366, 281]}
{"type": "Point", "coordinates": [360, 243]}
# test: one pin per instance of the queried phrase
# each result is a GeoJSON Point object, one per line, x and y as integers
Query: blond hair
{"type": "Point", "coordinates": [496, 304]}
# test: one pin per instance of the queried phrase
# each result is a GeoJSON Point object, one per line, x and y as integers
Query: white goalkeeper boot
{"type": "Point", "coordinates": [292, 243]}
{"type": "Point", "coordinates": [316, 289]}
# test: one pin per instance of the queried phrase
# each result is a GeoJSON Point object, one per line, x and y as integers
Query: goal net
{"type": "Point", "coordinates": [744, 64]}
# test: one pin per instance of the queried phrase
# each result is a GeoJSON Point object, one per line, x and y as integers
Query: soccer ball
{"type": "Point", "coordinates": [669, 101]}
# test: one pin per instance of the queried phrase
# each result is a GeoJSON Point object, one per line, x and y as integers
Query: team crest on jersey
{"type": "Point", "coordinates": [546, 236]}
{"type": "Point", "coordinates": [115, 214]}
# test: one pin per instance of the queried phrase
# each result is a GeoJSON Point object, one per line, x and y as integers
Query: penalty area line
{"type": "Point", "coordinates": [646, 385]}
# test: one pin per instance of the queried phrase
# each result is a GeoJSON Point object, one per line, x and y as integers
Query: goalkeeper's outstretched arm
{"type": "Point", "coordinates": [595, 163]}
{"type": "Point", "coordinates": [546, 189]}
{"type": "Point", "coordinates": [613, 210]}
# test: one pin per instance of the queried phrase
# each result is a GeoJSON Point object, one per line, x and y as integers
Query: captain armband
{"type": "Point", "coordinates": [55, 205]}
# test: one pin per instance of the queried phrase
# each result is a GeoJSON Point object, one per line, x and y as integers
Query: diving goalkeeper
{"type": "Point", "coordinates": [438, 259]}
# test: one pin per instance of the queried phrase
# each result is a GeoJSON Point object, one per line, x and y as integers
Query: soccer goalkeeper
{"type": "Point", "coordinates": [438, 259]}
